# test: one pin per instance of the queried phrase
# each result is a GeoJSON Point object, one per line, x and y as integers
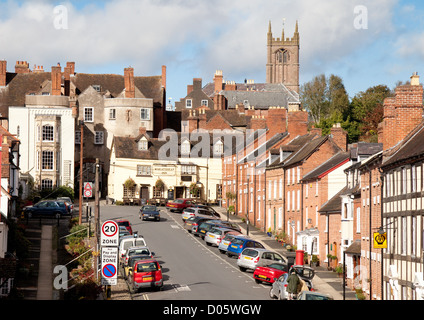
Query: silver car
{"type": "Point", "coordinates": [144, 250]}
{"type": "Point", "coordinates": [215, 235]}
{"type": "Point", "coordinates": [199, 212]}
{"type": "Point", "coordinates": [250, 258]}
{"type": "Point", "coordinates": [313, 295]}
{"type": "Point", "coordinates": [223, 245]}
{"type": "Point", "coordinates": [279, 288]}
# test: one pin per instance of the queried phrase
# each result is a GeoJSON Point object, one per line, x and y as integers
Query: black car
{"type": "Point", "coordinates": [149, 212]}
{"type": "Point", "coordinates": [194, 222]}
{"type": "Point", "coordinates": [208, 225]}
{"type": "Point", "coordinates": [49, 208]}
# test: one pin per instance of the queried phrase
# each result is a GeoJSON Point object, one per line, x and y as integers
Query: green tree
{"type": "Point", "coordinates": [325, 98]}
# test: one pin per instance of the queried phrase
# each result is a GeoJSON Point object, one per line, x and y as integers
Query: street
{"type": "Point", "coordinates": [191, 270]}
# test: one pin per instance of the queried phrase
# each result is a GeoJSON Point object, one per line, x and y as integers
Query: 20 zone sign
{"type": "Point", "coordinates": [110, 234]}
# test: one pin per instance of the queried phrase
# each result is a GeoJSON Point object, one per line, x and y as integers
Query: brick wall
{"type": "Point", "coordinates": [3, 71]}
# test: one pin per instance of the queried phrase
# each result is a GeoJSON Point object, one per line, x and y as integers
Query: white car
{"type": "Point", "coordinates": [215, 236]}
{"type": "Point", "coordinates": [128, 242]}
{"type": "Point", "coordinates": [250, 258]}
{"type": "Point", "coordinates": [139, 250]}
{"type": "Point", "coordinates": [199, 212]}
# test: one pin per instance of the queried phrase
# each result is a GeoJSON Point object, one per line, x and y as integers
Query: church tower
{"type": "Point", "coordinates": [283, 59]}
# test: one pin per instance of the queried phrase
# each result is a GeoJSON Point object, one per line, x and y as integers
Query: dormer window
{"type": "Point", "coordinates": [185, 147]}
{"type": "Point", "coordinates": [143, 144]}
{"type": "Point", "coordinates": [218, 148]}
{"type": "Point", "coordinates": [97, 87]}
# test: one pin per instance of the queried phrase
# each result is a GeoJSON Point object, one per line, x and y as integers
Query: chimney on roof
{"type": "Point", "coordinates": [67, 76]}
{"type": "Point", "coordinates": [3, 71]}
{"type": "Point", "coordinates": [22, 67]}
{"type": "Point", "coordinates": [339, 136]}
{"type": "Point", "coordinates": [415, 79]}
{"type": "Point", "coordinates": [129, 82]}
{"type": "Point", "coordinates": [57, 80]}
{"type": "Point", "coordinates": [217, 79]}
{"type": "Point", "coordinates": [72, 66]}
{"type": "Point", "coordinates": [164, 77]}
{"type": "Point", "coordinates": [38, 69]}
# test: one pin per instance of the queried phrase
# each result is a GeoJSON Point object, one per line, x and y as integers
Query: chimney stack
{"type": "Point", "coordinates": [72, 66]}
{"type": "Point", "coordinates": [56, 80]}
{"type": "Point", "coordinates": [164, 77]}
{"type": "Point", "coordinates": [67, 76]}
{"type": "Point", "coordinates": [22, 67]}
{"type": "Point", "coordinates": [129, 83]}
{"type": "Point", "coordinates": [3, 71]}
{"type": "Point", "coordinates": [217, 79]}
{"type": "Point", "coordinates": [339, 136]}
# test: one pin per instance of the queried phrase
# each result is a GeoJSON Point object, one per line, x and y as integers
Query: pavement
{"type": "Point", "coordinates": [324, 281]}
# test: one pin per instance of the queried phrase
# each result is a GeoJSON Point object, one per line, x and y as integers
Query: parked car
{"type": "Point", "coordinates": [252, 257]}
{"type": "Point", "coordinates": [51, 208]}
{"type": "Point", "coordinates": [131, 261]}
{"type": "Point", "coordinates": [194, 222]}
{"type": "Point", "coordinates": [313, 295]}
{"type": "Point", "coordinates": [145, 274]}
{"type": "Point", "coordinates": [215, 235]}
{"type": "Point", "coordinates": [144, 250]}
{"type": "Point", "coordinates": [206, 207]}
{"type": "Point", "coordinates": [68, 202]}
{"type": "Point", "coordinates": [125, 223]}
{"type": "Point", "coordinates": [208, 225]}
{"type": "Point", "coordinates": [123, 231]}
{"type": "Point", "coordinates": [193, 212]}
{"type": "Point", "coordinates": [128, 242]}
{"type": "Point", "coordinates": [179, 204]}
{"type": "Point", "coordinates": [149, 212]}
{"type": "Point", "coordinates": [239, 243]}
{"type": "Point", "coordinates": [279, 288]}
{"type": "Point", "coordinates": [223, 245]}
{"type": "Point", "coordinates": [270, 272]}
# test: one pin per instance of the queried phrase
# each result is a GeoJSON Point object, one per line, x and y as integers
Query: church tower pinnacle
{"type": "Point", "coordinates": [283, 59]}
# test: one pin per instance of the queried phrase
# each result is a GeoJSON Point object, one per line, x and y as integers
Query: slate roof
{"type": "Point", "coordinates": [127, 147]}
{"type": "Point", "coordinates": [233, 117]}
{"type": "Point", "coordinates": [327, 165]}
{"type": "Point", "coordinates": [268, 145]}
{"type": "Point", "coordinates": [150, 87]}
{"type": "Point", "coordinates": [354, 248]}
{"type": "Point", "coordinates": [259, 95]}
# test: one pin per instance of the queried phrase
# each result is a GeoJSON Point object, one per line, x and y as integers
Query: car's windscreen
{"type": "Point", "coordinates": [147, 267]}
{"type": "Point", "coordinates": [178, 201]}
{"type": "Point", "coordinates": [149, 208]}
{"type": "Point", "coordinates": [237, 241]}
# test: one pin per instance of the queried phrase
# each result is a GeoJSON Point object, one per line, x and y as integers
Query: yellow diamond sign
{"type": "Point", "coordinates": [380, 240]}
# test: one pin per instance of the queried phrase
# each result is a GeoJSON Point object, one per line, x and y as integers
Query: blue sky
{"type": "Point", "coordinates": [194, 38]}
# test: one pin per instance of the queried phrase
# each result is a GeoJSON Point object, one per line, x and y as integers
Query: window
{"type": "Point", "coordinates": [77, 137]}
{"type": "Point", "coordinates": [218, 148]}
{"type": "Point", "coordinates": [288, 176]}
{"type": "Point", "coordinates": [298, 200]}
{"type": "Point", "coordinates": [288, 200]}
{"type": "Point", "coordinates": [48, 132]}
{"type": "Point", "coordinates": [112, 114]}
{"type": "Point", "coordinates": [185, 147]}
{"type": "Point", "coordinates": [316, 188]}
{"type": "Point", "coordinates": [47, 160]}
{"type": "Point", "coordinates": [88, 114]}
{"type": "Point", "coordinates": [96, 87]}
{"type": "Point", "coordinates": [46, 184]}
{"type": "Point", "coordinates": [281, 189]}
{"type": "Point", "coordinates": [205, 103]}
{"type": "Point", "coordinates": [99, 137]}
{"type": "Point", "coordinates": [358, 220]}
{"type": "Point", "coordinates": [143, 170]}
{"type": "Point", "coordinates": [275, 189]}
{"type": "Point", "coordinates": [143, 144]}
{"type": "Point", "coordinates": [188, 170]}
{"type": "Point", "coordinates": [414, 236]}
{"type": "Point", "coordinates": [188, 103]}
{"type": "Point", "coordinates": [144, 114]}
{"type": "Point", "coordinates": [404, 189]}
{"type": "Point", "coordinates": [157, 192]}
{"type": "Point", "coordinates": [404, 236]}
{"type": "Point", "coordinates": [414, 178]}
{"type": "Point", "coordinates": [129, 192]}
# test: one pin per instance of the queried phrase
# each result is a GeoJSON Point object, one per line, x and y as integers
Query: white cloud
{"type": "Point", "coordinates": [220, 34]}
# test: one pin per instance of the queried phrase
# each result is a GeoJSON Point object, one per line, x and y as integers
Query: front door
{"type": "Point", "coordinates": [144, 193]}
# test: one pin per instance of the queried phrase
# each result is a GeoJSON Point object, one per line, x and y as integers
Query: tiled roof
{"type": "Point", "coordinates": [327, 165]}
{"type": "Point", "coordinates": [334, 205]}
{"type": "Point", "coordinates": [412, 146]}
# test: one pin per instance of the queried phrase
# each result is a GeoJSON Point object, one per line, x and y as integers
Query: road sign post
{"type": "Point", "coordinates": [109, 266]}
{"type": "Point", "coordinates": [109, 240]}
{"type": "Point", "coordinates": [88, 189]}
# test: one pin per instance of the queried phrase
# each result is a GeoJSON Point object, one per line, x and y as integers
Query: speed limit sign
{"type": "Point", "coordinates": [109, 234]}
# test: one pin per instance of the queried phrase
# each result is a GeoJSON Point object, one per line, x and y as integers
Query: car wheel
{"type": "Point", "coordinates": [222, 251]}
{"type": "Point", "coordinates": [258, 281]}
{"type": "Point", "coordinates": [242, 269]}
{"type": "Point", "coordinates": [271, 295]}
{"type": "Point", "coordinates": [208, 243]}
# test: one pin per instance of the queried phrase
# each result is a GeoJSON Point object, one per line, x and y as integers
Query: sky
{"type": "Point", "coordinates": [365, 42]}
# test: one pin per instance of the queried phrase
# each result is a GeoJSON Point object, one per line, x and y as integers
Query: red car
{"type": "Point", "coordinates": [269, 273]}
{"type": "Point", "coordinates": [126, 224]}
{"type": "Point", "coordinates": [145, 274]}
{"type": "Point", "coordinates": [179, 204]}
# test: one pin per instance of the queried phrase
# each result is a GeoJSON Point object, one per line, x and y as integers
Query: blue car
{"type": "Point", "coordinates": [239, 243]}
{"type": "Point", "coordinates": [50, 208]}
{"type": "Point", "coordinates": [149, 212]}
